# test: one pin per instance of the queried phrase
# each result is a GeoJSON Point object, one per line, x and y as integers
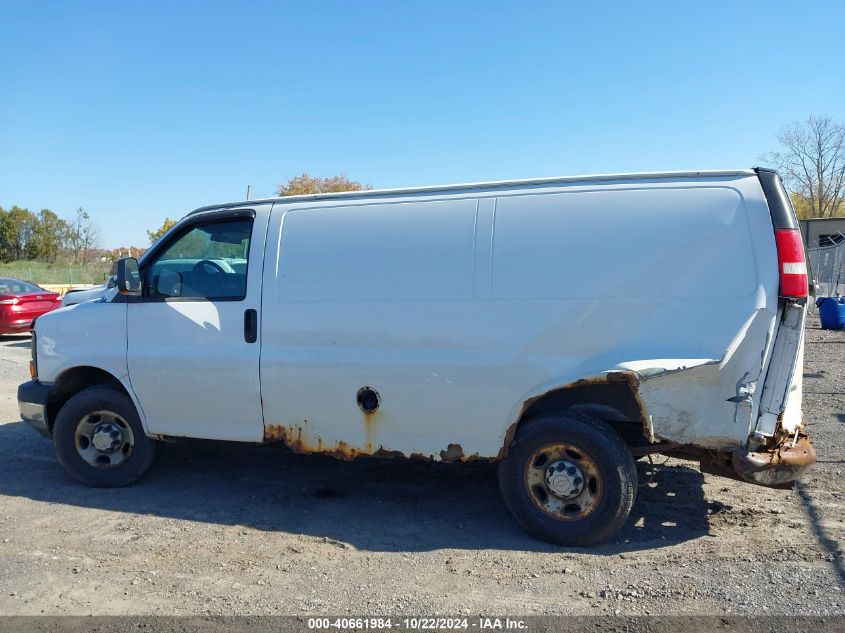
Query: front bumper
{"type": "Point", "coordinates": [32, 402]}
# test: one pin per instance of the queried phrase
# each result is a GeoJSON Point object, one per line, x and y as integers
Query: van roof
{"type": "Point", "coordinates": [496, 184]}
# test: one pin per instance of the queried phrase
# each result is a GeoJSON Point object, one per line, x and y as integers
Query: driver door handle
{"type": "Point", "coordinates": [250, 326]}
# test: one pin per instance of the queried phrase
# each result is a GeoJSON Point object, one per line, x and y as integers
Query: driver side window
{"type": "Point", "coordinates": [205, 262]}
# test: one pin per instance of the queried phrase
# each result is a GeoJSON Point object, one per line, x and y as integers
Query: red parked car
{"type": "Point", "coordinates": [21, 302]}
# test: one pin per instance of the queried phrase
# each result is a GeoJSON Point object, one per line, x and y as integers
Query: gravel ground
{"type": "Point", "coordinates": [232, 529]}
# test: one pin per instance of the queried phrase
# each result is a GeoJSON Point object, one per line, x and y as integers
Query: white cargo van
{"type": "Point", "coordinates": [562, 327]}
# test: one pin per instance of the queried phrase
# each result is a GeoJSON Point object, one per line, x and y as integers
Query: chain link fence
{"type": "Point", "coordinates": [827, 264]}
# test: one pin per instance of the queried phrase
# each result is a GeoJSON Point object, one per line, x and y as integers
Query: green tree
{"type": "Point", "coordinates": [803, 207]}
{"type": "Point", "coordinates": [49, 237]}
{"type": "Point", "coordinates": [305, 184]}
{"type": "Point", "coordinates": [165, 227]}
{"type": "Point", "coordinates": [16, 229]}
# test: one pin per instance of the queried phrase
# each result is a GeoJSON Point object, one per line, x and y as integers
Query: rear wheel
{"type": "Point", "coordinates": [569, 479]}
{"type": "Point", "coordinates": [100, 441]}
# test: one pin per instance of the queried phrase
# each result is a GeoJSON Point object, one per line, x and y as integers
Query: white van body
{"type": "Point", "coordinates": [72, 297]}
{"type": "Point", "coordinates": [459, 309]}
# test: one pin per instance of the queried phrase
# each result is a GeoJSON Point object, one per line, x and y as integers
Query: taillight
{"type": "Point", "coordinates": [9, 301]}
{"type": "Point", "coordinates": [791, 263]}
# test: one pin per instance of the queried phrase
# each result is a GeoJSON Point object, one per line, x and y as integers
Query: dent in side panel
{"type": "Point", "coordinates": [712, 404]}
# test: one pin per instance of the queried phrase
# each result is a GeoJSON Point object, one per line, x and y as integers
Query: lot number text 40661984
{"type": "Point", "coordinates": [416, 624]}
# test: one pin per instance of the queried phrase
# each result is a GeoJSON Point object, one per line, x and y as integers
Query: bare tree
{"type": "Point", "coordinates": [83, 237]}
{"type": "Point", "coordinates": [812, 164]}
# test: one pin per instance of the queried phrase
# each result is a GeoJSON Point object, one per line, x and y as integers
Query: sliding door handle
{"type": "Point", "coordinates": [250, 326]}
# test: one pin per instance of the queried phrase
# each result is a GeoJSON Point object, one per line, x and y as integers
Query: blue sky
{"type": "Point", "coordinates": [141, 110]}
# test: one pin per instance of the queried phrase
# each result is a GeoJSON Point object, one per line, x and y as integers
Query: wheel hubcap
{"type": "Point", "coordinates": [563, 481]}
{"type": "Point", "coordinates": [104, 439]}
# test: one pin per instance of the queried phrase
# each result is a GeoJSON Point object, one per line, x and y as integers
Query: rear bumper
{"type": "Point", "coordinates": [32, 403]}
{"type": "Point", "coordinates": [14, 327]}
{"type": "Point", "coordinates": [779, 466]}
{"type": "Point", "coordinates": [21, 321]}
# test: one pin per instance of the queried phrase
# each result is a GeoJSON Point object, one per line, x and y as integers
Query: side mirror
{"type": "Point", "coordinates": [168, 284]}
{"type": "Point", "coordinates": [128, 279]}
{"type": "Point", "coordinates": [111, 282]}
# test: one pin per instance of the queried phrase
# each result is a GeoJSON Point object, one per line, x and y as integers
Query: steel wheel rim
{"type": "Point", "coordinates": [104, 439]}
{"type": "Point", "coordinates": [578, 500]}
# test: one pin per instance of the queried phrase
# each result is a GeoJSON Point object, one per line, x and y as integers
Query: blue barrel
{"type": "Point", "coordinates": [831, 312]}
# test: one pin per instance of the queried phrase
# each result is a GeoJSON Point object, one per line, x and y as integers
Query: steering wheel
{"type": "Point", "coordinates": [205, 278]}
{"type": "Point", "coordinates": [199, 267]}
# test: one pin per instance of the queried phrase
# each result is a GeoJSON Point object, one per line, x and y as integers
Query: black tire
{"type": "Point", "coordinates": [613, 485]}
{"type": "Point", "coordinates": [137, 458]}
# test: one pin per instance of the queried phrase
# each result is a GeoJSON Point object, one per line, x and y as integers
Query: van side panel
{"type": "Point", "coordinates": [408, 251]}
{"type": "Point", "coordinates": [457, 310]}
{"type": "Point", "coordinates": [375, 295]}
{"type": "Point", "coordinates": [675, 283]}
{"type": "Point", "coordinates": [630, 245]}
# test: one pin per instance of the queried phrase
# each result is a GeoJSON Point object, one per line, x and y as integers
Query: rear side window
{"type": "Point", "coordinates": [18, 287]}
{"type": "Point", "coordinates": [204, 262]}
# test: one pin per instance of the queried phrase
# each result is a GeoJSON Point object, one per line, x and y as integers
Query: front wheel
{"type": "Point", "coordinates": [569, 479]}
{"type": "Point", "coordinates": [100, 441]}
